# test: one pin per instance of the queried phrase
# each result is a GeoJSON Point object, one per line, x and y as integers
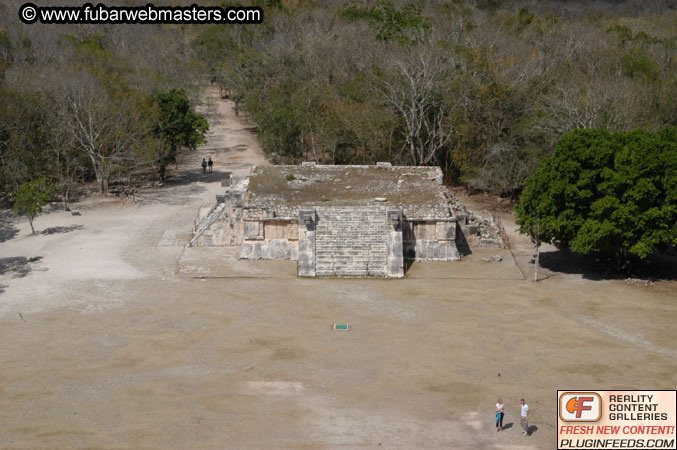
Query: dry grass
{"type": "Point", "coordinates": [293, 185]}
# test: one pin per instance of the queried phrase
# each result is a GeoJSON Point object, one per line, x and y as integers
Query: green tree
{"type": "Point", "coordinates": [23, 138]}
{"type": "Point", "coordinates": [31, 197]}
{"type": "Point", "coordinates": [179, 125]}
{"type": "Point", "coordinates": [604, 192]}
{"type": "Point", "coordinates": [637, 64]}
{"type": "Point", "coordinates": [406, 25]}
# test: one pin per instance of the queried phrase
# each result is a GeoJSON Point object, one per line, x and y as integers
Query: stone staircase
{"type": "Point", "coordinates": [351, 241]}
{"type": "Point", "coordinates": [208, 219]}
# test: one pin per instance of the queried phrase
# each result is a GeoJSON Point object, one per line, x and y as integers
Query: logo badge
{"type": "Point", "coordinates": [580, 407]}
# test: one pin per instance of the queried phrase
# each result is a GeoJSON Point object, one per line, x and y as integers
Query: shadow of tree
{"type": "Point", "coordinates": [7, 229]}
{"type": "Point", "coordinates": [237, 148]}
{"type": "Point", "coordinates": [60, 230]}
{"type": "Point", "coordinates": [192, 177]}
{"type": "Point", "coordinates": [170, 194]}
{"type": "Point", "coordinates": [19, 265]}
{"type": "Point", "coordinates": [604, 267]}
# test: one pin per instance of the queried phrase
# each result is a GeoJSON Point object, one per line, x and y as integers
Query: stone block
{"type": "Point", "coordinates": [445, 231]}
{"type": "Point", "coordinates": [249, 250]}
{"type": "Point", "coordinates": [395, 267]}
{"type": "Point", "coordinates": [492, 243]}
{"type": "Point", "coordinates": [395, 217]}
{"type": "Point", "coordinates": [253, 230]}
{"type": "Point", "coordinates": [306, 251]}
{"type": "Point", "coordinates": [307, 217]}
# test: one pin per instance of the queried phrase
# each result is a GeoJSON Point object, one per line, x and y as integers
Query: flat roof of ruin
{"type": "Point", "coordinates": [308, 185]}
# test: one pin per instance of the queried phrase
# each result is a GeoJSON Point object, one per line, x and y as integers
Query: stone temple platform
{"type": "Point", "coordinates": [353, 221]}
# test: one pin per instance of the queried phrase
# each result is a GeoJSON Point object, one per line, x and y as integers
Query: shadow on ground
{"type": "Point", "coordinates": [236, 148]}
{"type": "Point", "coordinates": [7, 229]}
{"type": "Point", "coordinates": [175, 191]}
{"type": "Point", "coordinates": [192, 177]}
{"type": "Point", "coordinates": [596, 268]}
{"type": "Point", "coordinates": [61, 230]}
{"type": "Point", "coordinates": [18, 265]}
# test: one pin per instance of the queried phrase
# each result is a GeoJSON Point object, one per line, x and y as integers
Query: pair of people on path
{"type": "Point", "coordinates": [205, 163]}
{"type": "Point", "coordinates": [524, 416]}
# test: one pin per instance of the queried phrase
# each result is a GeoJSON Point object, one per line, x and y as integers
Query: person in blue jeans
{"type": "Point", "coordinates": [499, 415]}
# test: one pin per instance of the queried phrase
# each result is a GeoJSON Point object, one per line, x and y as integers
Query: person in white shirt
{"type": "Point", "coordinates": [499, 415]}
{"type": "Point", "coordinates": [524, 419]}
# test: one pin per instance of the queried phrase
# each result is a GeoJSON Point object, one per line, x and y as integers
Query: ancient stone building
{"type": "Point", "coordinates": [338, 220]}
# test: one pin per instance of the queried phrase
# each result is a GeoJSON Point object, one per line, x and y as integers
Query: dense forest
{"type": "Point", "coordinates": [84, 103]}
{"type": "Point", "coordinates": [484, 89]}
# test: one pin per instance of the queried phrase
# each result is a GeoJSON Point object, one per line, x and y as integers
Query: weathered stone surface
{"type": "Point", "coordinates": [269, 249]}
{"type": "Point", "coordinates": [491, 243]}
{"type": "Point", "coordinates": [445, 231]}
{"type": "Point", "coordinates": [351, 241]}
{"type": "Point", "coordinates": [253, 230]}
{"type": "Point", "coordinates": [431, 250]}
{"type": "Point", "coordinates": [395, 260]}
{"type": "Point", "coordinates": [306, 243]}
{"type": "Point", "coordinates": [334, 231]}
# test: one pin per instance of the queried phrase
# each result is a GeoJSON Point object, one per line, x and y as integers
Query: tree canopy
{"type": "Point", "coordinates": [178, 124]}
{"type": "Point", "coordinates": [484, 89]}
{"type": "Point", "coordinates": [31, 197]}
{"type": "Point", "coordinates": [605, 192]}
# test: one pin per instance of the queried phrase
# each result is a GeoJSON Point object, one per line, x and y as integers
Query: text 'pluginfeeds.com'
{"type": "Point", "coordinates": [102, 14]}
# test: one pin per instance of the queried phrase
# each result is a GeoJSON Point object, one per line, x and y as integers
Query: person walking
{"type": "Point", "coordinates": [524, 417]}
{"type": "Point", "coordinates": [204, 165]}
{"type": "Point", "coordinates": [210, 163]}
{"type": "Point", "coordinates": [499, 415]}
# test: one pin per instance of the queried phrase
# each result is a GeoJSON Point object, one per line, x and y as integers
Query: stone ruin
{"type": "Point", "coordinates": [354, 221]}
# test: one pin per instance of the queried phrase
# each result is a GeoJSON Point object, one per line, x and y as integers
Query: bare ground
{"type": "Point", "coordinates": [114, 335]}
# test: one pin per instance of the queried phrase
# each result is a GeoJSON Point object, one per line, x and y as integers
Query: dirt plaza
{"type": "Point", "coordinates": [116, 335]}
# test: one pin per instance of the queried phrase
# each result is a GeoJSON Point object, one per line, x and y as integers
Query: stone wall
{"type": "Point", "coordinates": [368, 235]}
{"type": "Point", "coordinates": [431, 240]}
{"type": "Point", "coordinates": [227, 227]}
{"type": "Point", "coordinates": [269, 249]}
{"type": "Point", "coordinates": [226, 230]}
{"type": "Point", "coordinates": [270, 239]}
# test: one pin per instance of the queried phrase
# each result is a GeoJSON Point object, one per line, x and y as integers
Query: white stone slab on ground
{"type": "Point", "coordinates": [224, 262]}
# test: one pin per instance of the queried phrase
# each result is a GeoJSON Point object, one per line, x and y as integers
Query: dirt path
{"type": "Point", "coordinates": [106, 345]}
{"type": "Point", "coordinates": [111, 240]}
